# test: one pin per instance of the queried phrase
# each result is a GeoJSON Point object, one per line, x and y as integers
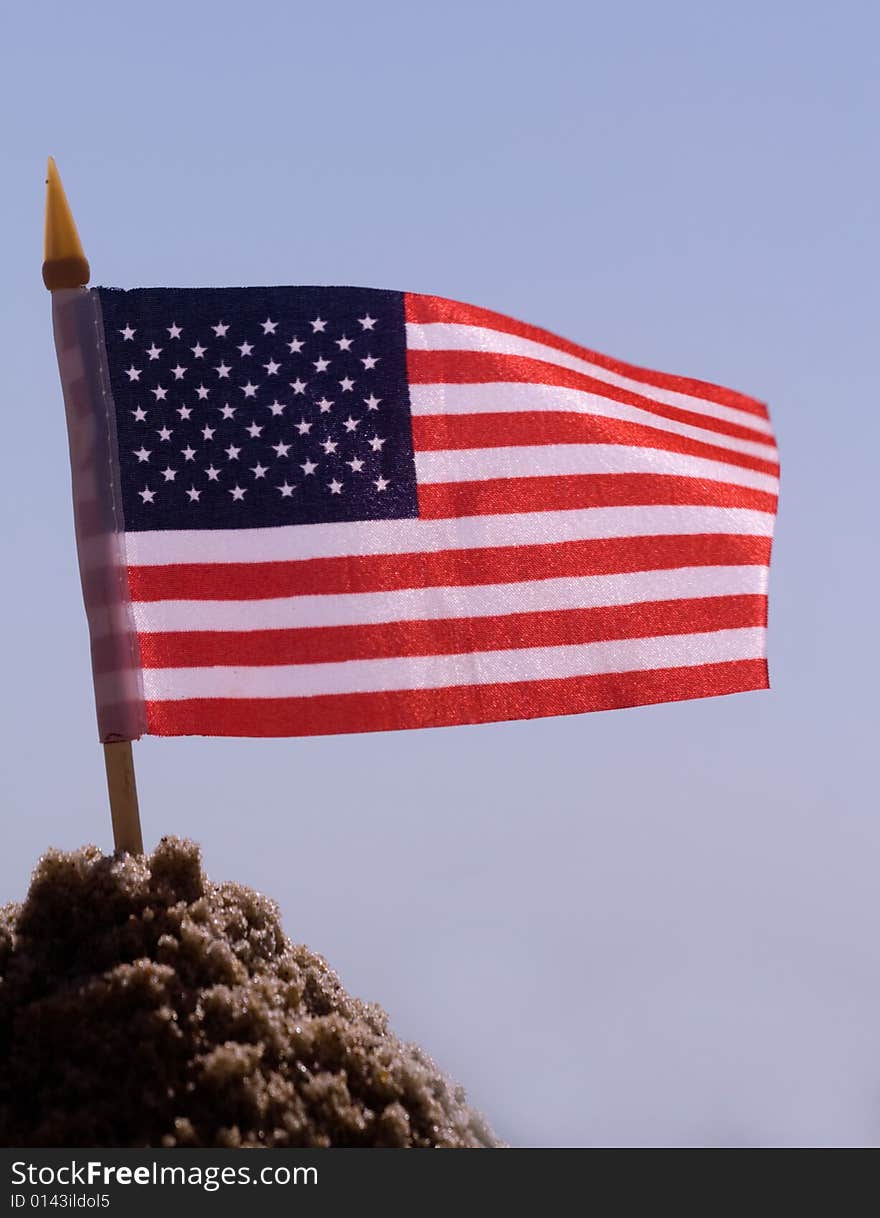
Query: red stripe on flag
{"type": "Point", "coordinates": [428, 309]}
{"type": "Point", "coordinates": [450, 636]}
{"type": "Point", "coordinates": [486, 368]}
{"type": "Point", "coordinates": [434, 433]}
{"type": "Point", "coordinates": [443, 568]}
{"type": "Point", "coordinates": [496, 496]}
{"type": "Point", "coordinates": [335, 713]}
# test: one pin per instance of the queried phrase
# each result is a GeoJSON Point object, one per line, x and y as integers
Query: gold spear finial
{"type": "Point", "coordinates": [64, 263]}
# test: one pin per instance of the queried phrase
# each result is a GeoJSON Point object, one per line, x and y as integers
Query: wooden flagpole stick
{"type": "Point", "coordinates": [122, 789]}
{"type": "Point", "coordinates": [65, 266]}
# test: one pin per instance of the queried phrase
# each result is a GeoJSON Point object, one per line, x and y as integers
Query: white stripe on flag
{"type": "Point", "coordinates": [436, 604]}
{"type": "Point", "coordinates": [288, 543]}
{"type": "Point", "coordinates": [547, 460]}
{"type": "Point", "coordinates": [436, 672]}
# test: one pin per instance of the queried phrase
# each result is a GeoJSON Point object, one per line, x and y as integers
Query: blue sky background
{"type": "Point", "coordinates": [645, 927]}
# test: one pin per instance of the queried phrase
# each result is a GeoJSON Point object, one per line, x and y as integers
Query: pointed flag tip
{"type": "Point", "coordinates": [64, 262]}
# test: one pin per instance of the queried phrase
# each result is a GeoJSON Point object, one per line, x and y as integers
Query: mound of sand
{"type": "Point", "coordinates": [142, 1005]}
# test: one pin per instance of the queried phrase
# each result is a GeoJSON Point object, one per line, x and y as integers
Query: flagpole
{"type": "Point", "coordinates": [65, 266]}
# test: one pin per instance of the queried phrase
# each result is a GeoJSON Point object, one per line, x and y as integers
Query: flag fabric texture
{"type": "Point", "coordinates": [315, 510]}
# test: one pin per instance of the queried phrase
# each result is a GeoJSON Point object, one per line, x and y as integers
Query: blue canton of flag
{"type": "Point", "coordinates": [252, 407]}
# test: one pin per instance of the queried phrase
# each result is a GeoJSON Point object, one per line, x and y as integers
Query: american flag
{"type": "Point", "coordinates": [322, 510]}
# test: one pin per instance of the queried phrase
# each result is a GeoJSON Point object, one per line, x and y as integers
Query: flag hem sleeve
{"type": "Point", "coordinates": [98, 521]}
